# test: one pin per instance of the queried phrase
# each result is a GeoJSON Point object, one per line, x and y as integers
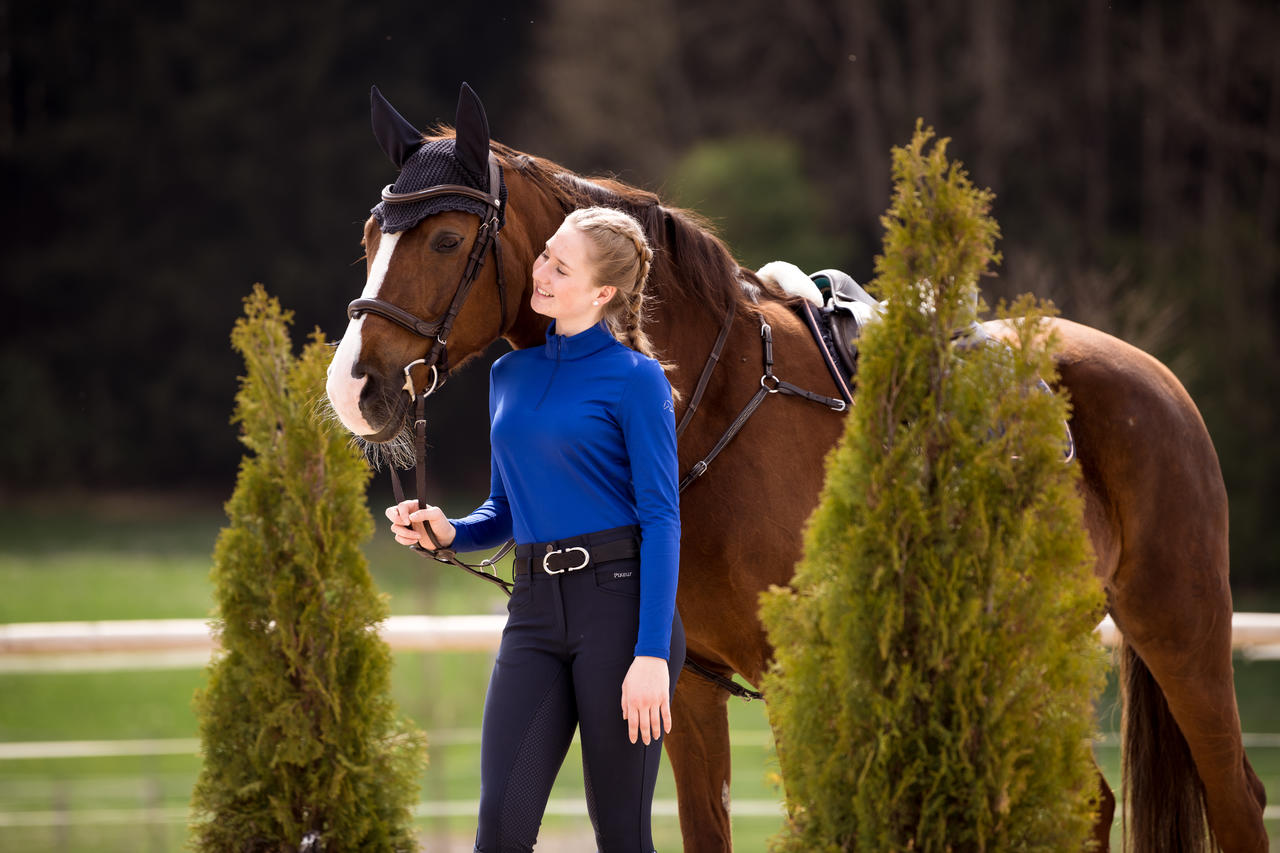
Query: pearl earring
{"type": "Point", "coordinates": [595, 302]}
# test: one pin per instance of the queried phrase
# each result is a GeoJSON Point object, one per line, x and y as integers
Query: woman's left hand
{"type": "Point", "coordinates": [646, 699]}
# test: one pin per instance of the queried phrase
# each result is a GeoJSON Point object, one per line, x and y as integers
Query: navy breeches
{"type": "Point", "coordinates": [567, 645]}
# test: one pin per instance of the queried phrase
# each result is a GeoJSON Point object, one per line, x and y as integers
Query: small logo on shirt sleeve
{"type": "Point", "coordinates": [668, 406]}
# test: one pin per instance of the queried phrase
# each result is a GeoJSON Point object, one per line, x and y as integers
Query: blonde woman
{"type": "Point", "coordinates": [584, 475]}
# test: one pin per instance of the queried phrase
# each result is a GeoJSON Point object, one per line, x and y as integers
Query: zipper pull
{"type": "Point", "coordinates": [555, 368]}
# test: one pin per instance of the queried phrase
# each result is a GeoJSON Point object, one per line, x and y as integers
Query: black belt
{"type": "Point", "coordinates": [578, 552]}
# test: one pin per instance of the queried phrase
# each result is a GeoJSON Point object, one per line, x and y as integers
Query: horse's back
{"type": "Point", "coordinates": [1150, 475]}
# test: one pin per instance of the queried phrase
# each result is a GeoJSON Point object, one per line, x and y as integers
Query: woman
{"type": "Point", "coordinates": [584, 474]}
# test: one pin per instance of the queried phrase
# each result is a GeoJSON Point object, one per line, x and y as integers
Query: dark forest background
{"type": "Point", "coordinates": [158, 158]}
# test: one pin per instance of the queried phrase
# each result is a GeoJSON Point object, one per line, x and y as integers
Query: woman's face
{"type": "Point", "coordinates": [564, 283]}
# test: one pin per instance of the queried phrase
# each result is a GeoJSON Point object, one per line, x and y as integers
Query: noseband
{"type": "Point", "coordinates": [437, 357]}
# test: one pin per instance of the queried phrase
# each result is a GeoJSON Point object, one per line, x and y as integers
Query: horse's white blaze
{"type": "Point", "coordinates": [343, 388]}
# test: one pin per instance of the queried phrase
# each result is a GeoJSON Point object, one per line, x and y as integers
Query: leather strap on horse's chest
{"type": "Point", "coordinates": [707, 369]}
{"type": "Point", "coordinates": [769, 384]}
{"type": "Point", "coordinates": [700, 468]}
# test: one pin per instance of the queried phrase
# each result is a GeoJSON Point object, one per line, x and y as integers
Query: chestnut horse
{"type": "Point", "coordinates": [1154, 501]}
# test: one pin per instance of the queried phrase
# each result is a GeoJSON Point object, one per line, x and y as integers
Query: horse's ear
{"type": "Point", "coordinates": [398, 138]}
{"type": "Point", "coordinates": [472, 145]}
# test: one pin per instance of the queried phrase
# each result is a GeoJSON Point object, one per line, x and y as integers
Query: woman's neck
{"type": "Point", "coordinates": [570, 326]}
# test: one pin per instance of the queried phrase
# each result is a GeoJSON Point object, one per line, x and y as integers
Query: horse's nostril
{"type": "Point", "coordinates": [370, 386]}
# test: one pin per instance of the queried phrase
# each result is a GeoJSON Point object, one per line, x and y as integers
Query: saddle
{"type": "Point", "coordinates": [835, 309]}
{"type": "Point", "coordinates": [846, 310]}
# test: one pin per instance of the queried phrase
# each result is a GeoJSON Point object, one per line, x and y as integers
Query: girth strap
{"type": "Point", "coordinates": [728, 684]}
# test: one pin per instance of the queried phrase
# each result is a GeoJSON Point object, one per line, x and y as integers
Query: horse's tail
{"type": "Point", "coordinates": [1163, 795]}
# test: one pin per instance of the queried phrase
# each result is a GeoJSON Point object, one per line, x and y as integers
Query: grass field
{"type": "Point", "coordinates": [150, 559]}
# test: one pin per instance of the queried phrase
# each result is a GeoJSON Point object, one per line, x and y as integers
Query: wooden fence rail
{"type": "Point", "coordinates": [37, 646]}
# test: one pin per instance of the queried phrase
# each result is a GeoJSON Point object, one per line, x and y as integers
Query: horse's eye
{"type": "Point", "coordinates": [448, 242]}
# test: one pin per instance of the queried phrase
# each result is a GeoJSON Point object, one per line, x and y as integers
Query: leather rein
{"type": "Point", "coordinates": [436, 360]}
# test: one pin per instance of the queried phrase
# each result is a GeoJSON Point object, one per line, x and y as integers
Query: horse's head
{"type": "Point", "coordinates": [433, 293]}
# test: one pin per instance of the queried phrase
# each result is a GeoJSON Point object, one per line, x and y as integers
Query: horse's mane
{"type": "Point", "coordinates": [689, 259]}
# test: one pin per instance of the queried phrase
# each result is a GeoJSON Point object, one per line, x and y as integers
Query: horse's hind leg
{"type": "Point", "coordinates": [1179, 633]}
{"type": "Point", "coordinates": [698, 748]}
{"type": "Point", "coordinates": [1106, 814]}
{"type": "Point", "coordinates": [1156, 508]}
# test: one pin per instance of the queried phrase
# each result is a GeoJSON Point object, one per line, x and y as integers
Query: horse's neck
{"type": "Point", "coordinates": [527, 230]}
{"type": "Point", "coordinates": [681, 329]}
{"type": "Point", "coordinates": [529, 328]}
{"type": "Point", "coordinates": [683, 333]}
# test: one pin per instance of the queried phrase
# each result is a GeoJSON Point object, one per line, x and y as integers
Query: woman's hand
{"type": "Point", "coordinates": [407, 520]}
{"type": "Point", "coordinates": [646, 699]}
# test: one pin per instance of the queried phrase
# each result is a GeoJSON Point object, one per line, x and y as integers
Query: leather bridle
{"type": "Point", "coordinates": [436, 359]}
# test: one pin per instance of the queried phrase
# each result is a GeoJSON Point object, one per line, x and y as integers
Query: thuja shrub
{"type": "Point", "coordinates": [303, 749]}
{"type": "Point", "coordinates": [934, 661]}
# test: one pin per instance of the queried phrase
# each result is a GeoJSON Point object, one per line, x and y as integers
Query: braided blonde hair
{"type": "Point", "coordinates": [622, 259]}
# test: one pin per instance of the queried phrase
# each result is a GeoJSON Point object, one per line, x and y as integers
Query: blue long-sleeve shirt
{"type": "Point", "coordinates": [582, 438]}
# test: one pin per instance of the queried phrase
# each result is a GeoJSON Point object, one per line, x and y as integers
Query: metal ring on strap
{"type": "Point", "coordinates": [408, 379]}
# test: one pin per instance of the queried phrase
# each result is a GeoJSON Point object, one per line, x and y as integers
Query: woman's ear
{"type": "Point", "coordinates": [606, 293]}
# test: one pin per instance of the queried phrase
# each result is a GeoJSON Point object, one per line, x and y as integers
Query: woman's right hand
{"type": "Point", "coordinates": [407, 520]}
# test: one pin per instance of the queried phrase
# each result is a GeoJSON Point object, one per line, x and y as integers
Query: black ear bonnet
{"type": "Point", "coordinates": [462, 161]}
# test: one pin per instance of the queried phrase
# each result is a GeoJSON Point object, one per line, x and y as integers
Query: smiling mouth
{"type": "Point", "coordinates": [542, 292]}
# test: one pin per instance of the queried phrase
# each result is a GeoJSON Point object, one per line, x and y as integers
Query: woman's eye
{"type": "Point", "coordinates": [559, 271]}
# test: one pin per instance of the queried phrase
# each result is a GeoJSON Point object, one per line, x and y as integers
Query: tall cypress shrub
{"type": "Point", "coordinates": [303, 750]}
{"type": "Point", "coordinates": [934, 660]}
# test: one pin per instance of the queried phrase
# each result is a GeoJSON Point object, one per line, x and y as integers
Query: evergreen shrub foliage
{"type": "Point", "coordinates": [303, 750]}
{"type": "Point", "coordinates": [934, 661]}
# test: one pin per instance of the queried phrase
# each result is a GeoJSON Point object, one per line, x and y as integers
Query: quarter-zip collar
{"type": "Point", "coordinates": [581, 345]}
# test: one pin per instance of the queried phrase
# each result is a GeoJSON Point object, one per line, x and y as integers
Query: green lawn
{"type": "Point", "coordinates": [150, 560]}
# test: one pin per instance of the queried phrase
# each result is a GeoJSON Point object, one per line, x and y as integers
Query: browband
{"type": "Point", "coordinates": [438, 190]}
{"type": "Point", "coordinates": [490, 198]}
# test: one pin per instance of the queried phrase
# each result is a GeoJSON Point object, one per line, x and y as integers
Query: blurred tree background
{"type": "Point", "coordinates": [157, 159]}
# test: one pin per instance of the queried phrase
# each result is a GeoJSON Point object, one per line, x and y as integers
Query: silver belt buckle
{"type": "Point", "coordinates": [586, 558]}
